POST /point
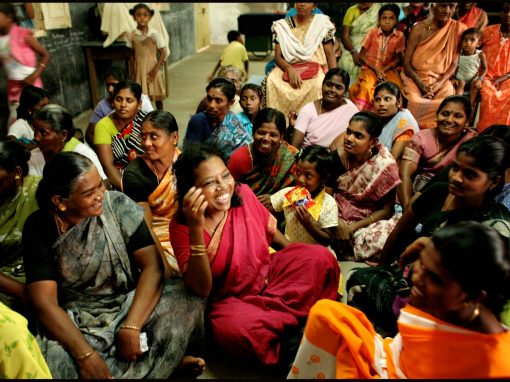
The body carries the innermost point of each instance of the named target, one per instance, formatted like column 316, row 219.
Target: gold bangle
column 42, row 65
column 131, row 327
column 198, row 253
column 371, row 218
column 197, row 247
column 86, row 355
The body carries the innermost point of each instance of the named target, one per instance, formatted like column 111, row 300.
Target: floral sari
column 230, row 134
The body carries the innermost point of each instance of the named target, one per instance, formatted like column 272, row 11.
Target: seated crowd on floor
column 124, row 255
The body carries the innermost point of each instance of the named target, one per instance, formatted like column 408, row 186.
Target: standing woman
column 321, row 121
column 117, row 136
column 306, row 38
column 218, row 125
column 149, row 179
column 495, row 91
column 399, row 125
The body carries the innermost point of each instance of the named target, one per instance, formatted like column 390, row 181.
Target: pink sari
column 258, row 297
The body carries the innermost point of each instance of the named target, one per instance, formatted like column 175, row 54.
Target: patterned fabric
column 13, row 214
column 358, row 30
column 230, row 134
column 495, row 102
column 245, row 121
column 357, row 194
column 398, row 125
column 340, row 342
column 20, row 356
column 97, row 289
column 362, row 91
column 430, row 60
column 126, row 145
column 278, row 93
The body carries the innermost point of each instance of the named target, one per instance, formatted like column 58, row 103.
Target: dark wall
column 180, row 25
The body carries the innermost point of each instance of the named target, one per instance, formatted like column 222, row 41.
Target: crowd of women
column 127, row 256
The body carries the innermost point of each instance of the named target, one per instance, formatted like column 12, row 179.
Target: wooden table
column 94, row 51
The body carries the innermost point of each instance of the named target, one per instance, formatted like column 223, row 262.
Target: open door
column 202, row 30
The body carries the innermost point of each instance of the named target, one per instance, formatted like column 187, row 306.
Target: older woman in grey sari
column 95, row 281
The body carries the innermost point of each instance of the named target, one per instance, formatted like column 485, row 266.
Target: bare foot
column 191, row 366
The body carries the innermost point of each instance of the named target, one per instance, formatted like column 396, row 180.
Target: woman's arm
column 329, row 50
column 398, row 149
column 279, row 240
column 384, row 212
column 297, row 138
column 105, row 155
column 152, row 74
column 36, row 46
column 407, row 169
column 337, row 142
column 12, row 287
column 294, row 78
column 414, row 38
column 401, row 233
column 43, row 298
column 147, row 294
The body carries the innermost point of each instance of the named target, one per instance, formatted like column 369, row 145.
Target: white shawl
column 292, row 49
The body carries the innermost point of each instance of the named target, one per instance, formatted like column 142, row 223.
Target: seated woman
column 251, row 95
column 221, row 239
column 17, row 202
column 95, row 282
column 474, row 17
column 31, row 100
column 149, row 179
column 218, row 125
column 399, row 124
column 495, row 91
column 460, row 281
column 306, row 38
column 54, row 132
column 363, row 182
column 117, row 136
column 320, row 121
column 430, row 150
column 427, row 81
column 266, row 165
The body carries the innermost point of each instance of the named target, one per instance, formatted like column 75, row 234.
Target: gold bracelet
column 198, row 253
column 131, row 327
column 42, row 65
column 371, row 218
column 86, row 355
column 197, row 247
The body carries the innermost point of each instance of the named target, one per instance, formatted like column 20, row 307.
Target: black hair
column 227, row 87
column 58, row 118
column 463, row 100
column 478, row 259
column 135, row 88
column 475, row 31
column 389, row 86
column 193, row 154
column 8, row 10
column 30, row 96
column 13, row 155
column 256, row 88
column 389, row 7
column 373, row 124
column 490, row 155
column 233, row 35
column 269, row 115
column 133, row 10
column 162, row 120
column 498, row 131
column 343, row 74
column 116, row 72
column 60, row 175
column 318, row 155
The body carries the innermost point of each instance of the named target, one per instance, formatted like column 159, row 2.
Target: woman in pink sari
column 221, row 239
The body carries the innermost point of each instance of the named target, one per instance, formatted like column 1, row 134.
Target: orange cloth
column 340, row 342
column 473, row 17
column 495, row 102
column 431, row 59
column 361, row 93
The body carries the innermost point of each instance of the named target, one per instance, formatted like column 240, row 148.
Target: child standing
column 147, row 44
column 381, row 54
column 250, row 102
column 18, row 54
column 235, row 54
column 316, row 224
column 472, row 66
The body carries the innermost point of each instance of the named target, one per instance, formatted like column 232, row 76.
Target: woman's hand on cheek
column 128, row 344
column 194, row 206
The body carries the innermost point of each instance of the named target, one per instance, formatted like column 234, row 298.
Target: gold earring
column 17, row 177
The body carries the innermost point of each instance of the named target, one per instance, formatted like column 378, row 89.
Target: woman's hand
column 499, row 80
column 29, row 80
column 411, row 249
column 93, row 367
column 292, row 118
column 128, row 344
column 194, row 206
column 380, row 75
column 294, row 78
column 266, row 201
column 343, row 243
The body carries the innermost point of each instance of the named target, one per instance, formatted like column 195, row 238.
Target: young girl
column 315, row 224
column 381, row 54
column 147, row 43
column 250, row 102
column 18, row 55
column 472, row 66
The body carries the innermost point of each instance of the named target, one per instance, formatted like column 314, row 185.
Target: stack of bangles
column 198, row 250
